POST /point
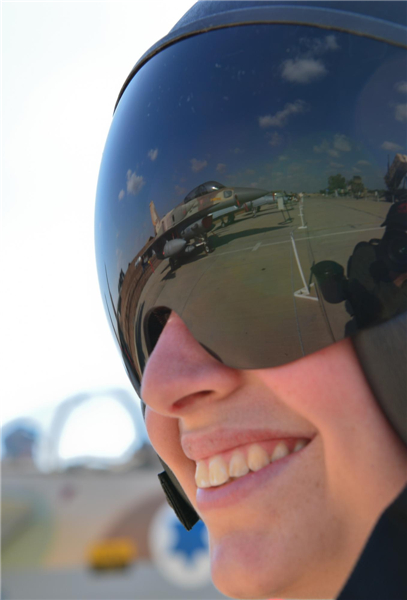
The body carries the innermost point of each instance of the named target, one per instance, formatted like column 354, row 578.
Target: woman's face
column 293, row 527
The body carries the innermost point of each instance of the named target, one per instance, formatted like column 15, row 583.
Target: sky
column 63, row 65
column 286, row 108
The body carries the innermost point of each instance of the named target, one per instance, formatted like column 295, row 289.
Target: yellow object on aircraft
column 115, row 553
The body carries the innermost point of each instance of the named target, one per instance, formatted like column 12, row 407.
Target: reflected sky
column 280, row 108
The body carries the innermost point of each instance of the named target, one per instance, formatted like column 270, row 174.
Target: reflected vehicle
column 282, row 132
column 184, row 229
column 375, row 286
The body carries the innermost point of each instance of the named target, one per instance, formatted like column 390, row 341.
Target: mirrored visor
column 253, row 181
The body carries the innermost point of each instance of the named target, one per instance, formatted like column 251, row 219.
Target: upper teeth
column 218, row 471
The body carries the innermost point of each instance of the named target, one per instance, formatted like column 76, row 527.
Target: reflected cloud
column 342, row 143
column 319, row 46
column 152, row 154
column 198, row 165
column 307, row 66
column 401, row 86
column 134, row 182
column 391, row 146
column 281, row 117
column 400, row 112
column 303, row 70
column 122, row 194
column 331, row 43
column 275, row 138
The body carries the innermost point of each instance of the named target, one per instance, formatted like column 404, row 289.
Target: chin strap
column 382, row 352
column 177, row 499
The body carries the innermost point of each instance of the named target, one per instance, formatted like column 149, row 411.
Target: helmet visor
column 245, row 184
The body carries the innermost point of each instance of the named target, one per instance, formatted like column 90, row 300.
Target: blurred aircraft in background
column 65, row 522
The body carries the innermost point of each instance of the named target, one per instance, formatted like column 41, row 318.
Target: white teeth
column 202, row 475
column 257, row 458
column 280, row 451
column 299, row 445
column 238, row 466
column 218, row 471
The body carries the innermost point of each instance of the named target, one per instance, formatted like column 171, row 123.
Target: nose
column 181, row 376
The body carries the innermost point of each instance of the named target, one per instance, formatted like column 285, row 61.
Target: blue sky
column 279, row 108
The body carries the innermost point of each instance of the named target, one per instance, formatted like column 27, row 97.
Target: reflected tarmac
column 257, row 259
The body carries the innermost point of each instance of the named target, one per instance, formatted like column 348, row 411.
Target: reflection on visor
column 249, row 183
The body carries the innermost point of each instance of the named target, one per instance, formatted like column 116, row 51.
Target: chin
column 250, row 566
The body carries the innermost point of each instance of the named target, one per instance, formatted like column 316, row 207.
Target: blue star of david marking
column 188, row 543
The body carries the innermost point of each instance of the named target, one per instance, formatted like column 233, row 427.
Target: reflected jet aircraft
column 251, row 205
column 185, row 228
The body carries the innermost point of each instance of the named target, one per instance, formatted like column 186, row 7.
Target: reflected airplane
column 183, row 229
column 252, row 205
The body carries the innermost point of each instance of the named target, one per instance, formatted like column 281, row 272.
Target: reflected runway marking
column 314, row 237
column 300, row 239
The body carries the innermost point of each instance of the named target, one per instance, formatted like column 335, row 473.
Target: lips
column 200, row 446
column 222, row 468
column 226, row 455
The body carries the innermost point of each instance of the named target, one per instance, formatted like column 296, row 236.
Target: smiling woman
column 255, row 281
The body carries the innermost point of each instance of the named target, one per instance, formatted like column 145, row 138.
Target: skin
column 299, row 535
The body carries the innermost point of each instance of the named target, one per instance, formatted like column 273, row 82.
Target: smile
column 228, row 466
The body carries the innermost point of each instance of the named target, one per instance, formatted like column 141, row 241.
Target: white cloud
column 323, row 147
column 401, row 86
column 319, row 46
column 280, row 118
column 275, row 139
column 331, row 43
column 333, row 152
column 134, row 182
column 221, row 167
column 363, row 163
column 401, row 112
column 152, row 154
column 283, row 157
column 336, row 165
column 303, row 70
column 355, row 169
column 341, row 142
column 122, row 194
column 198, row 165
column 391, row 146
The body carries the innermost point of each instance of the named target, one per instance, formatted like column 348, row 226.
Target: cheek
column 364, row 460
column 163, row 433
